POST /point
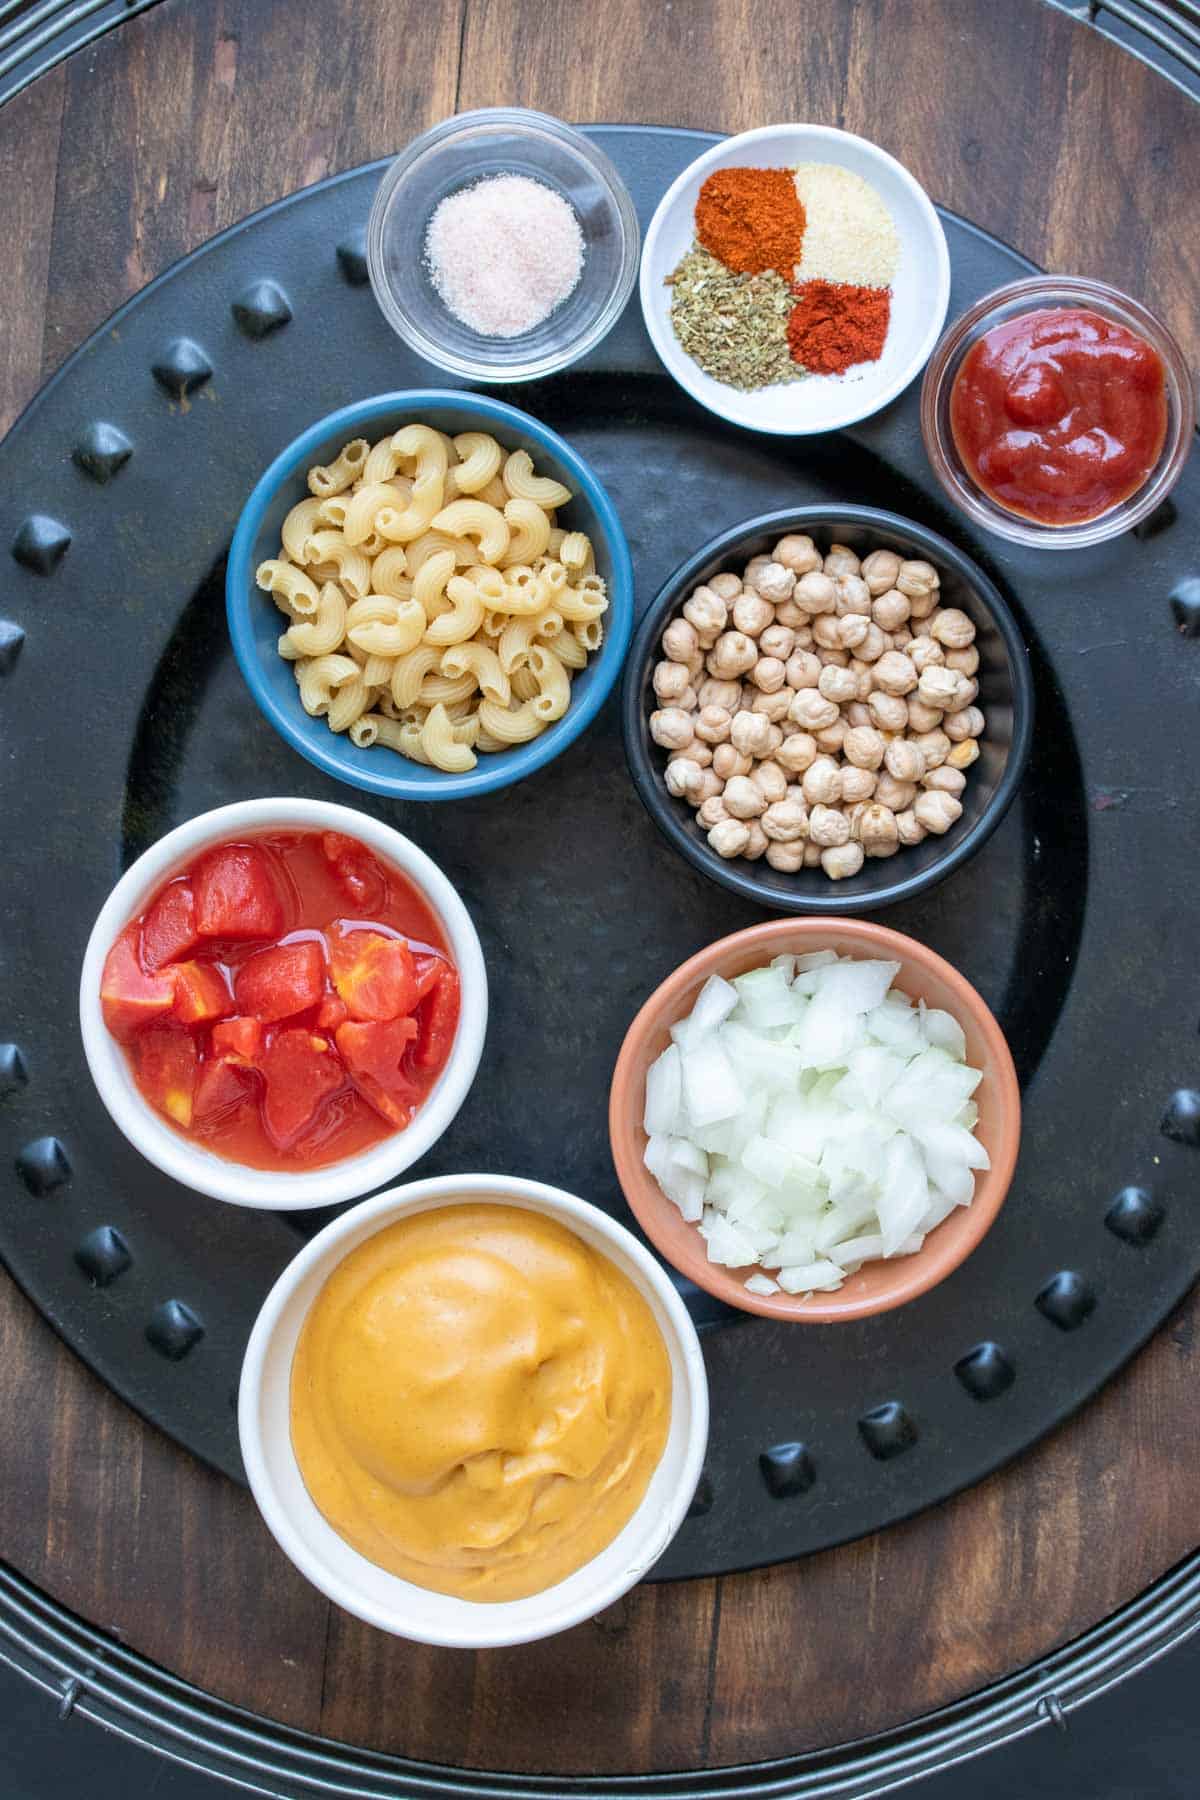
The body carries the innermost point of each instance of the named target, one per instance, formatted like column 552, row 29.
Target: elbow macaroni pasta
column 435, row 607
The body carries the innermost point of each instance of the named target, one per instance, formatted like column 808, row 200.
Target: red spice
column 751, row 220
column 835, row 324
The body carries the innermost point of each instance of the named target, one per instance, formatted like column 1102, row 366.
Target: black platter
column 124, row 713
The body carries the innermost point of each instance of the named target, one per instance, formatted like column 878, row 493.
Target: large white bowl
column 188, row 1161
column 920, row 292
column 360, row 1586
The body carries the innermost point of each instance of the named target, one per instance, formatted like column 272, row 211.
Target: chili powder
column 835, row 324
column 751, row 220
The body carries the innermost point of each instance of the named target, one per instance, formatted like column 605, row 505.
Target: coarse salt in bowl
column 920, row 289
column 451, row 158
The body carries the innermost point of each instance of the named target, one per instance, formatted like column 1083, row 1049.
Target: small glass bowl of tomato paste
column 283, row 1003
column 1057, row 412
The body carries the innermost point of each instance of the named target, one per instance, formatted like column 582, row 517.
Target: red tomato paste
column 1060, row 414
column 287, row 1001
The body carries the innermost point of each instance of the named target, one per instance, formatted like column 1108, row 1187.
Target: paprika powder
column 751, row 220
column 835, row 324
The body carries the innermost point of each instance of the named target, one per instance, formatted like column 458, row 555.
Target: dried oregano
column 734, row 326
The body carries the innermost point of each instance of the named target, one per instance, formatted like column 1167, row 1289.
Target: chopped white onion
column 808, row 1118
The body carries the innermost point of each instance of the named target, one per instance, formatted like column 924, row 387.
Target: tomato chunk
column 334, row 1012
column 169, row 928
column 300, row 1072
column 166, row 1068
column 429, row 969
column 373, row 1052
column 357, row 871
column 375, row 975
column 222, row 1084
column 236, row 895
column 278, row 983
column 242, row 1038
column 129, row 998
column 439, row 1021
column 201, row 993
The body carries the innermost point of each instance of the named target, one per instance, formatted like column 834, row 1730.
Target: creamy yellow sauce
column 479, row 1400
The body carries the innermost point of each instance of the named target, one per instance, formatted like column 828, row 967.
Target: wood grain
column 141, row 147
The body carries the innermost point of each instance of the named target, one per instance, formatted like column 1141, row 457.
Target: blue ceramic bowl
column 255, row 622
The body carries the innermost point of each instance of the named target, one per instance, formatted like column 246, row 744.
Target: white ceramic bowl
column 359, row 1585
column 920, row 292
column 188, row 1161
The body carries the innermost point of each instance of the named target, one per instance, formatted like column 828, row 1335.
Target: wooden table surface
column 172, row 127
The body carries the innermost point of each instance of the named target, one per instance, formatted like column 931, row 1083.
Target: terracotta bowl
column 879, row 1285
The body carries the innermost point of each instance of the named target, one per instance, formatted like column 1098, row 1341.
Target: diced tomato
column 236, row 895
column 242, row 1038
column 375, row 975
column 201, row 993
column 429, row 969
column 169, row 928
column 301, row 1072
column 129, row 998
column 166, row 1067
column 334, row 1012
column 439, row 1021
column 278, row 983
column 356, row 869
column 373, row 1053
column 221, row 1084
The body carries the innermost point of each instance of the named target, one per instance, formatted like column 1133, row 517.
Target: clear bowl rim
column 980, row 507
column 482, row 366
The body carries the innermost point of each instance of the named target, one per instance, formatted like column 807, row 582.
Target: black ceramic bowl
column 1005, row 696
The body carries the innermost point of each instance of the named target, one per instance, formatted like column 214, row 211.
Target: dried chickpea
column 742, row 799
column 777, row 640
column 909, row 828
column 963, row 754
column 841, row 561
column 751, row 614
column 857, row 713
column 726, row 694
column 683, row 778
column 775, row 583
column 729, row 837
column 888, row 711
column 965, row 661
column 965, row 724
column 901, row 637
column 756, row 843
column 937, row 812
column 799, row 554
column 895, row 674
column 842, row 861
column 768, row 674
column 707, row 614
column 750, row 733
column 732, row 654
column 873, row 645
column 670, row 681
column 891, row 610
column 924, row 654
column 893, row 794
column 788, row 613
column 712, row 724
column 822, row 782
column 853, row 595
column 827, row 632
column 831, row 738
column 857, row 784
column 837, row 684
column 802, row 669
column 936, row 745
column 787, row 858
column 852, row 630
column 679, row 641
column 917, row 579
column 697, row 752
column 813, row 855
column 862, row 674
column 810, row 710
column 879, row 570
column 864, row 747
column 877, row 832
column 770, row 781
column 803, row 630
column 710, row 812
column 671, row 728
column 774, row 705
column 797, row 752
column 904, row 759
column 785, row 821
column 815, row 593
column 830, row 659
column 952, row 628
column 726, row 587
column 828, row 826
column 727, row 761
column 710, row 785
column 922, row 718
column 945, row 688
column 945, row 780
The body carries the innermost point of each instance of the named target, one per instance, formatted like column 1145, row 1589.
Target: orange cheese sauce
column 479, row 1400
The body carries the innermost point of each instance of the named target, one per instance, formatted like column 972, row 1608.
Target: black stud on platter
column 702, row 1499
column 1135, row 1216
column 1181, row 1121
column 887, row 1430
column 1185, row 607
column 102, row 451
column 11, row 639
column 173, row 1329
column 1066, row 1300
column 41, row 543
column 261, row 309
column 352, row 258
column 182, row 368
column 14, row 1070
column 103, row 1255
column 985, row 1371
column 787, row 1470
column 44, row 1165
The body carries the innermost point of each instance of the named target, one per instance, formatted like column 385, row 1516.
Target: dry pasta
column 435, row 607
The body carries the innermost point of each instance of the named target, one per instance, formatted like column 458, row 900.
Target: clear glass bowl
column 1037, row 293
column 501, row 140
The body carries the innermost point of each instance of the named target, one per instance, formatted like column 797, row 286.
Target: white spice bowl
column 920, row 290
